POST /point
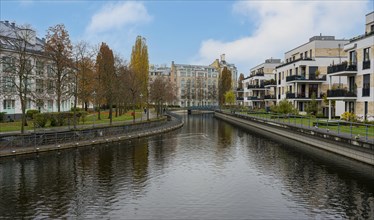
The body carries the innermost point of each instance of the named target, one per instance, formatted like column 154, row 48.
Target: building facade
column 38, row 73
column 357, row 95
column 196, row 85
column 222, row 63
column 259, row 86
column 302, row 76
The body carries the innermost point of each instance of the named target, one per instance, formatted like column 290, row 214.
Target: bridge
column 202, row 108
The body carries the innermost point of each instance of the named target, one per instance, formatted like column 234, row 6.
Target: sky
column 195, row 32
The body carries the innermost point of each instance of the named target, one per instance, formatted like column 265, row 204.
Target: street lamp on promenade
column 141, row 110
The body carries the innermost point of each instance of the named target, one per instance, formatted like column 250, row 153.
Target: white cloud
column 118, row 15
column 281, row 26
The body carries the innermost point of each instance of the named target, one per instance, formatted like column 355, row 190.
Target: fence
column 346, row 129
column 41, row 138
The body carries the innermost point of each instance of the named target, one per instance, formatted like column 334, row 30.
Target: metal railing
column 346, row 129
column 342, row 67
column 56, row 138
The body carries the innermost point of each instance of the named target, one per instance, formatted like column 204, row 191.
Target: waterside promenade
column 16, row 144
column 342, row 144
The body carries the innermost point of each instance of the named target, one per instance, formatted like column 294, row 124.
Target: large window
column 39, row 68
column 366, row 85
column 9, row 85
column 8, row 64
column 366, row 61
column 8, row 104
column 352, row 58
column 39, row 85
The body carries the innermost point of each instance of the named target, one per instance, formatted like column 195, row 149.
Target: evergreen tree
column 224, row 85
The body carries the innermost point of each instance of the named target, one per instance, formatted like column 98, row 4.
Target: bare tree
column 162, row 91
column 19, row 64
column 59, row 49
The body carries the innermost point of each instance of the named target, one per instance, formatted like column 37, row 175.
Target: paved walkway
column 152, row 115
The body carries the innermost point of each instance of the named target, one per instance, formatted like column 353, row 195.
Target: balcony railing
column 365, row 91
column 254, row 98
column 270, row 82
column 269, row 97
column 366, row 64
column 342, row 67
column 340, row 93
column 255, row 86
column 290, row 95
column 239, row 98
column 298, row 77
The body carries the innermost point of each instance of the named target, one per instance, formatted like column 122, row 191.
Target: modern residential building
column 302, row 76
column 358, row 71
column 197, row 85
column 259, row 86
column 40, row 79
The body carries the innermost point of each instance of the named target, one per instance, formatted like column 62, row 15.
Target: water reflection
column 207, row 170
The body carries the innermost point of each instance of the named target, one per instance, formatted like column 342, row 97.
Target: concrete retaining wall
column 274, row 131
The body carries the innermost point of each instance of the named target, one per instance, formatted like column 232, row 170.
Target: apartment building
column 358, row 71
column 220, row 64
column 40, row 78
column 197, row 85
column 260, row 86
column 302, row 76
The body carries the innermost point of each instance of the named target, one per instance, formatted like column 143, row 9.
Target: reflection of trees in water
column 162, row 150
column 321, row 187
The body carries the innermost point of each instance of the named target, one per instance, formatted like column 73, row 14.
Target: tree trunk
column 98, row 113
column 23, row 123
column 110, row 113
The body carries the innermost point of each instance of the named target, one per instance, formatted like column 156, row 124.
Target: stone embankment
column 49, row 141
column 354, row 149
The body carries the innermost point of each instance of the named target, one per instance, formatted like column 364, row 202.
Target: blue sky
column 195, row 32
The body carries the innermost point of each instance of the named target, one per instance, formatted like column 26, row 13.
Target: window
column 310, row 54
column 8, row 64
column 9, row 85
column 366, row 61
column 352, row 58
column 366, row 85
column 50, row 70
column 306, row 54
column 50, row 86
column 50, row 104
column 8, row 104
column 301, row 55
column 39, row 85
column 28, row 104
column 39, row 68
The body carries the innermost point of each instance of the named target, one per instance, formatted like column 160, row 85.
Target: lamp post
column 94, row 100
column 141, row 110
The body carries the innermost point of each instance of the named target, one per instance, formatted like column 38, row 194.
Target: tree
column 139, row 64
column 312, row 106
column 224, row 84
column 161, row 92
column 18, row 67
column 230, row 98
column 240, row 81
column 133, row 88
column 59, row 49
column 106, row 73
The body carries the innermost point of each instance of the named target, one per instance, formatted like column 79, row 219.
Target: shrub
column 284, row 107
column 349, row 116
column 77, row 109
column 2, row 116
column 40, row 120
column 83, row 116
column 30, row 113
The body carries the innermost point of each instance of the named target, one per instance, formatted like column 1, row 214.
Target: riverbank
column 51, row 141
column 360, row 151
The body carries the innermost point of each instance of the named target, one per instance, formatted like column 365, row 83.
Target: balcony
column 270, row 97
column 270, row 82
column 257, row 74
column 239, row 99
column 256, row 86
column 343, row 69
column 366, row 65
column 290, row 95
column 341, row 93
column 303, row 78
column 254, row 98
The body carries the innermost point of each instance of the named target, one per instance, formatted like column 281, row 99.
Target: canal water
column 206, row 170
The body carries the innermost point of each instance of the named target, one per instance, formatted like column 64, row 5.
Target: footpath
column 63, row 137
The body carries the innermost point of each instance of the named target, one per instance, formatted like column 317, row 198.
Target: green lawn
column 355, row 130
column 90, row 120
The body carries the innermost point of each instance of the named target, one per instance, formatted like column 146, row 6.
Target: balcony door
column 313, row 88
column 352, row 58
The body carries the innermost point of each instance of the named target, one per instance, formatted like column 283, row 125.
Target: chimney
column 13, row 24
column 223, row 57
column 6, row 23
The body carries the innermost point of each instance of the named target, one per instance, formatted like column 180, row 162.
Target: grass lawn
column 89, row 120
column 353, row 130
